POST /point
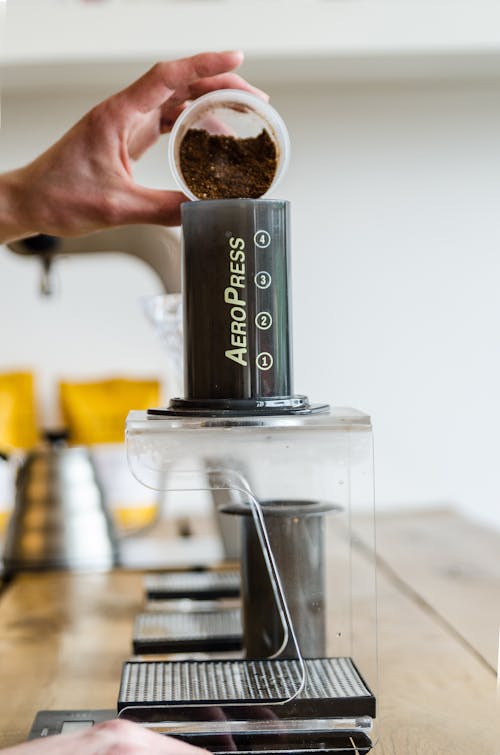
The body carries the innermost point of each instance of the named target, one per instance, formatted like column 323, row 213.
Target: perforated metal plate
column 185, row 632
column 190, row 605
column 334, row 686
column 191, row 584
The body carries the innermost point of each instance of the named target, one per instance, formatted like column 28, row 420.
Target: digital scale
column 49, row 722
column 297, row 739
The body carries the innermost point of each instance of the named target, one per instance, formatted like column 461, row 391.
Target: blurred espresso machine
column 156, row 246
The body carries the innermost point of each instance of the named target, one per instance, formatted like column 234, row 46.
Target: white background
column 395, row 192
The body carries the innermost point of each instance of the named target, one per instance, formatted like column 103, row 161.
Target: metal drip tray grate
column 196, row 585
column 185, row 632
column 333, row 687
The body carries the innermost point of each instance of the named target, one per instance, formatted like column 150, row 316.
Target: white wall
column 396, row 259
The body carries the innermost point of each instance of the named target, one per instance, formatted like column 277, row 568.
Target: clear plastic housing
column 229, row 112
column 297, row 482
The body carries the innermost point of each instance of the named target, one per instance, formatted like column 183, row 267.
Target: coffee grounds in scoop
column 225, row 167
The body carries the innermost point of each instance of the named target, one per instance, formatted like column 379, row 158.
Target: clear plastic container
column 295, row 484
column 228, row 113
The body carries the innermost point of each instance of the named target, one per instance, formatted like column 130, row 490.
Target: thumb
column 153, row 206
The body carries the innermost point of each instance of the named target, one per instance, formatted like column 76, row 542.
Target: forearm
column 14, row 222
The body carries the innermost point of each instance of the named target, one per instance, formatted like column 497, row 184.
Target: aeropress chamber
column 237, row 318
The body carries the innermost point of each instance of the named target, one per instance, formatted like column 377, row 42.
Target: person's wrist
column 14, row 221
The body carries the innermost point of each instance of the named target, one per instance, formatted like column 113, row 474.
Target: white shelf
column 55, row 43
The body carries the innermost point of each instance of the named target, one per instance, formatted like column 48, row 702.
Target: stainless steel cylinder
column 296, row 536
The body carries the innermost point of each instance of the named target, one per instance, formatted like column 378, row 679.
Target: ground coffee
column 225, row 167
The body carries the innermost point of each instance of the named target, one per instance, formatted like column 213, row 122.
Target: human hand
column 84, row 182
column 117, row 737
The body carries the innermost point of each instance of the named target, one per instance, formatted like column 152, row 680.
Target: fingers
column 157, row 85
column 178, row 100
column 176, row 103
column 202, row 65
column 134, row 738
column 108, row 738
column 209, row 84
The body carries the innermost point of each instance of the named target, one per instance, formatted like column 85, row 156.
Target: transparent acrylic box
column 297, row 482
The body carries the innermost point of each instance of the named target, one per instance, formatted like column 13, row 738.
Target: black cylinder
column 296, row 535
column 236, row 283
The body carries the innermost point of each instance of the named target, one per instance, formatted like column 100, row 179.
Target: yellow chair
column 18, row 427
column 94, row 414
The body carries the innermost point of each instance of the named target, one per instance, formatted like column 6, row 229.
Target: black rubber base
column 270, row 406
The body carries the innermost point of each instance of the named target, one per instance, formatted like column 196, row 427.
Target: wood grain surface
column 63, row 638
column 450, row 564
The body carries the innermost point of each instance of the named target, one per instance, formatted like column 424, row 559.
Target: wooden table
column 63, row 638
